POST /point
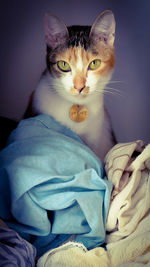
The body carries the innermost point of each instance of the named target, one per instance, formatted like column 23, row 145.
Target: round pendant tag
column 78, row 113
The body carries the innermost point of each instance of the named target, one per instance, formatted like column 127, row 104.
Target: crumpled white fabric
column 128, row 222
column 131, row 197
column 73, row 254
column 133, row 249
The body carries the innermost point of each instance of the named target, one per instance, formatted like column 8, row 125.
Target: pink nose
column 79, row 83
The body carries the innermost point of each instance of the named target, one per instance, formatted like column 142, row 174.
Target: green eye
column 63, row 65
column 94, row 64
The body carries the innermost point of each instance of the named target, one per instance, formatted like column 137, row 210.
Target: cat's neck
column 95, row 130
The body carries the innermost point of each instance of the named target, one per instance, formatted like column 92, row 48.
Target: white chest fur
column 94, row 131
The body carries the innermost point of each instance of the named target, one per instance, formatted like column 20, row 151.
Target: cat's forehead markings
column 79, row 63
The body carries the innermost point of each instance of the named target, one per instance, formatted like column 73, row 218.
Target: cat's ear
column 104, row 28
column 56, row 32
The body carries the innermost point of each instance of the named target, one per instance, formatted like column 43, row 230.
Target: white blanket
column 130, row 177
column 128, row 222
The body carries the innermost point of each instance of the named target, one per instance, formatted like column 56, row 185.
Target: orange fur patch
column 107, row 66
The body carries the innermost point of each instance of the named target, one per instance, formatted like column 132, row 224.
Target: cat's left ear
column 56, row 32
column 104, row 28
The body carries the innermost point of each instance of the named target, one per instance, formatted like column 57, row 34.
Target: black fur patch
column 79, row 35
column 51, row 58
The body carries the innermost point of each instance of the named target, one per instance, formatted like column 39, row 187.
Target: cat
column 80, row 63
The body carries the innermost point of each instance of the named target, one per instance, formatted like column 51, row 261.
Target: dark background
column 22, row 57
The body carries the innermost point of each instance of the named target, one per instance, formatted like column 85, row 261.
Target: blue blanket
column 52, row 186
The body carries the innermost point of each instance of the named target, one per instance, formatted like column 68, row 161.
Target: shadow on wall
column 22, row 52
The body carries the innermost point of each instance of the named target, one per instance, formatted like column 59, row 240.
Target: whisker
column 112, row 89
column 116, row 82
column 107, row 86
column 110, row 82
column 53, row 89
column 109, row 90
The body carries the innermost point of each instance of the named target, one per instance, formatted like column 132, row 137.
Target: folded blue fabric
column 46, row 167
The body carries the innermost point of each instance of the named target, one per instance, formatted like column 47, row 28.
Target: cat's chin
column 81, row 99
column 78, row 99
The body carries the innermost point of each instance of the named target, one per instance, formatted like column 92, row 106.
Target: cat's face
column 80, row 58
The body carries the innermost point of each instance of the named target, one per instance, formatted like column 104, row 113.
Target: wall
column 22, row 54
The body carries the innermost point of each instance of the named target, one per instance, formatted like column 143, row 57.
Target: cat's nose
column 79, row 83
column 79, row 89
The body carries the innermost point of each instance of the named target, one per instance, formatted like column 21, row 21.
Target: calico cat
column 80, row 62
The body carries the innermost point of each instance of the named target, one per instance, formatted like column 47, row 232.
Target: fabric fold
column 56, row 185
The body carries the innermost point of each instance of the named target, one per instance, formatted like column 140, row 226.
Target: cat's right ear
column 56, row 32
column 104, row 28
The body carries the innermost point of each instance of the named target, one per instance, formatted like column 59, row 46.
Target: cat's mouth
column 81, row 93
